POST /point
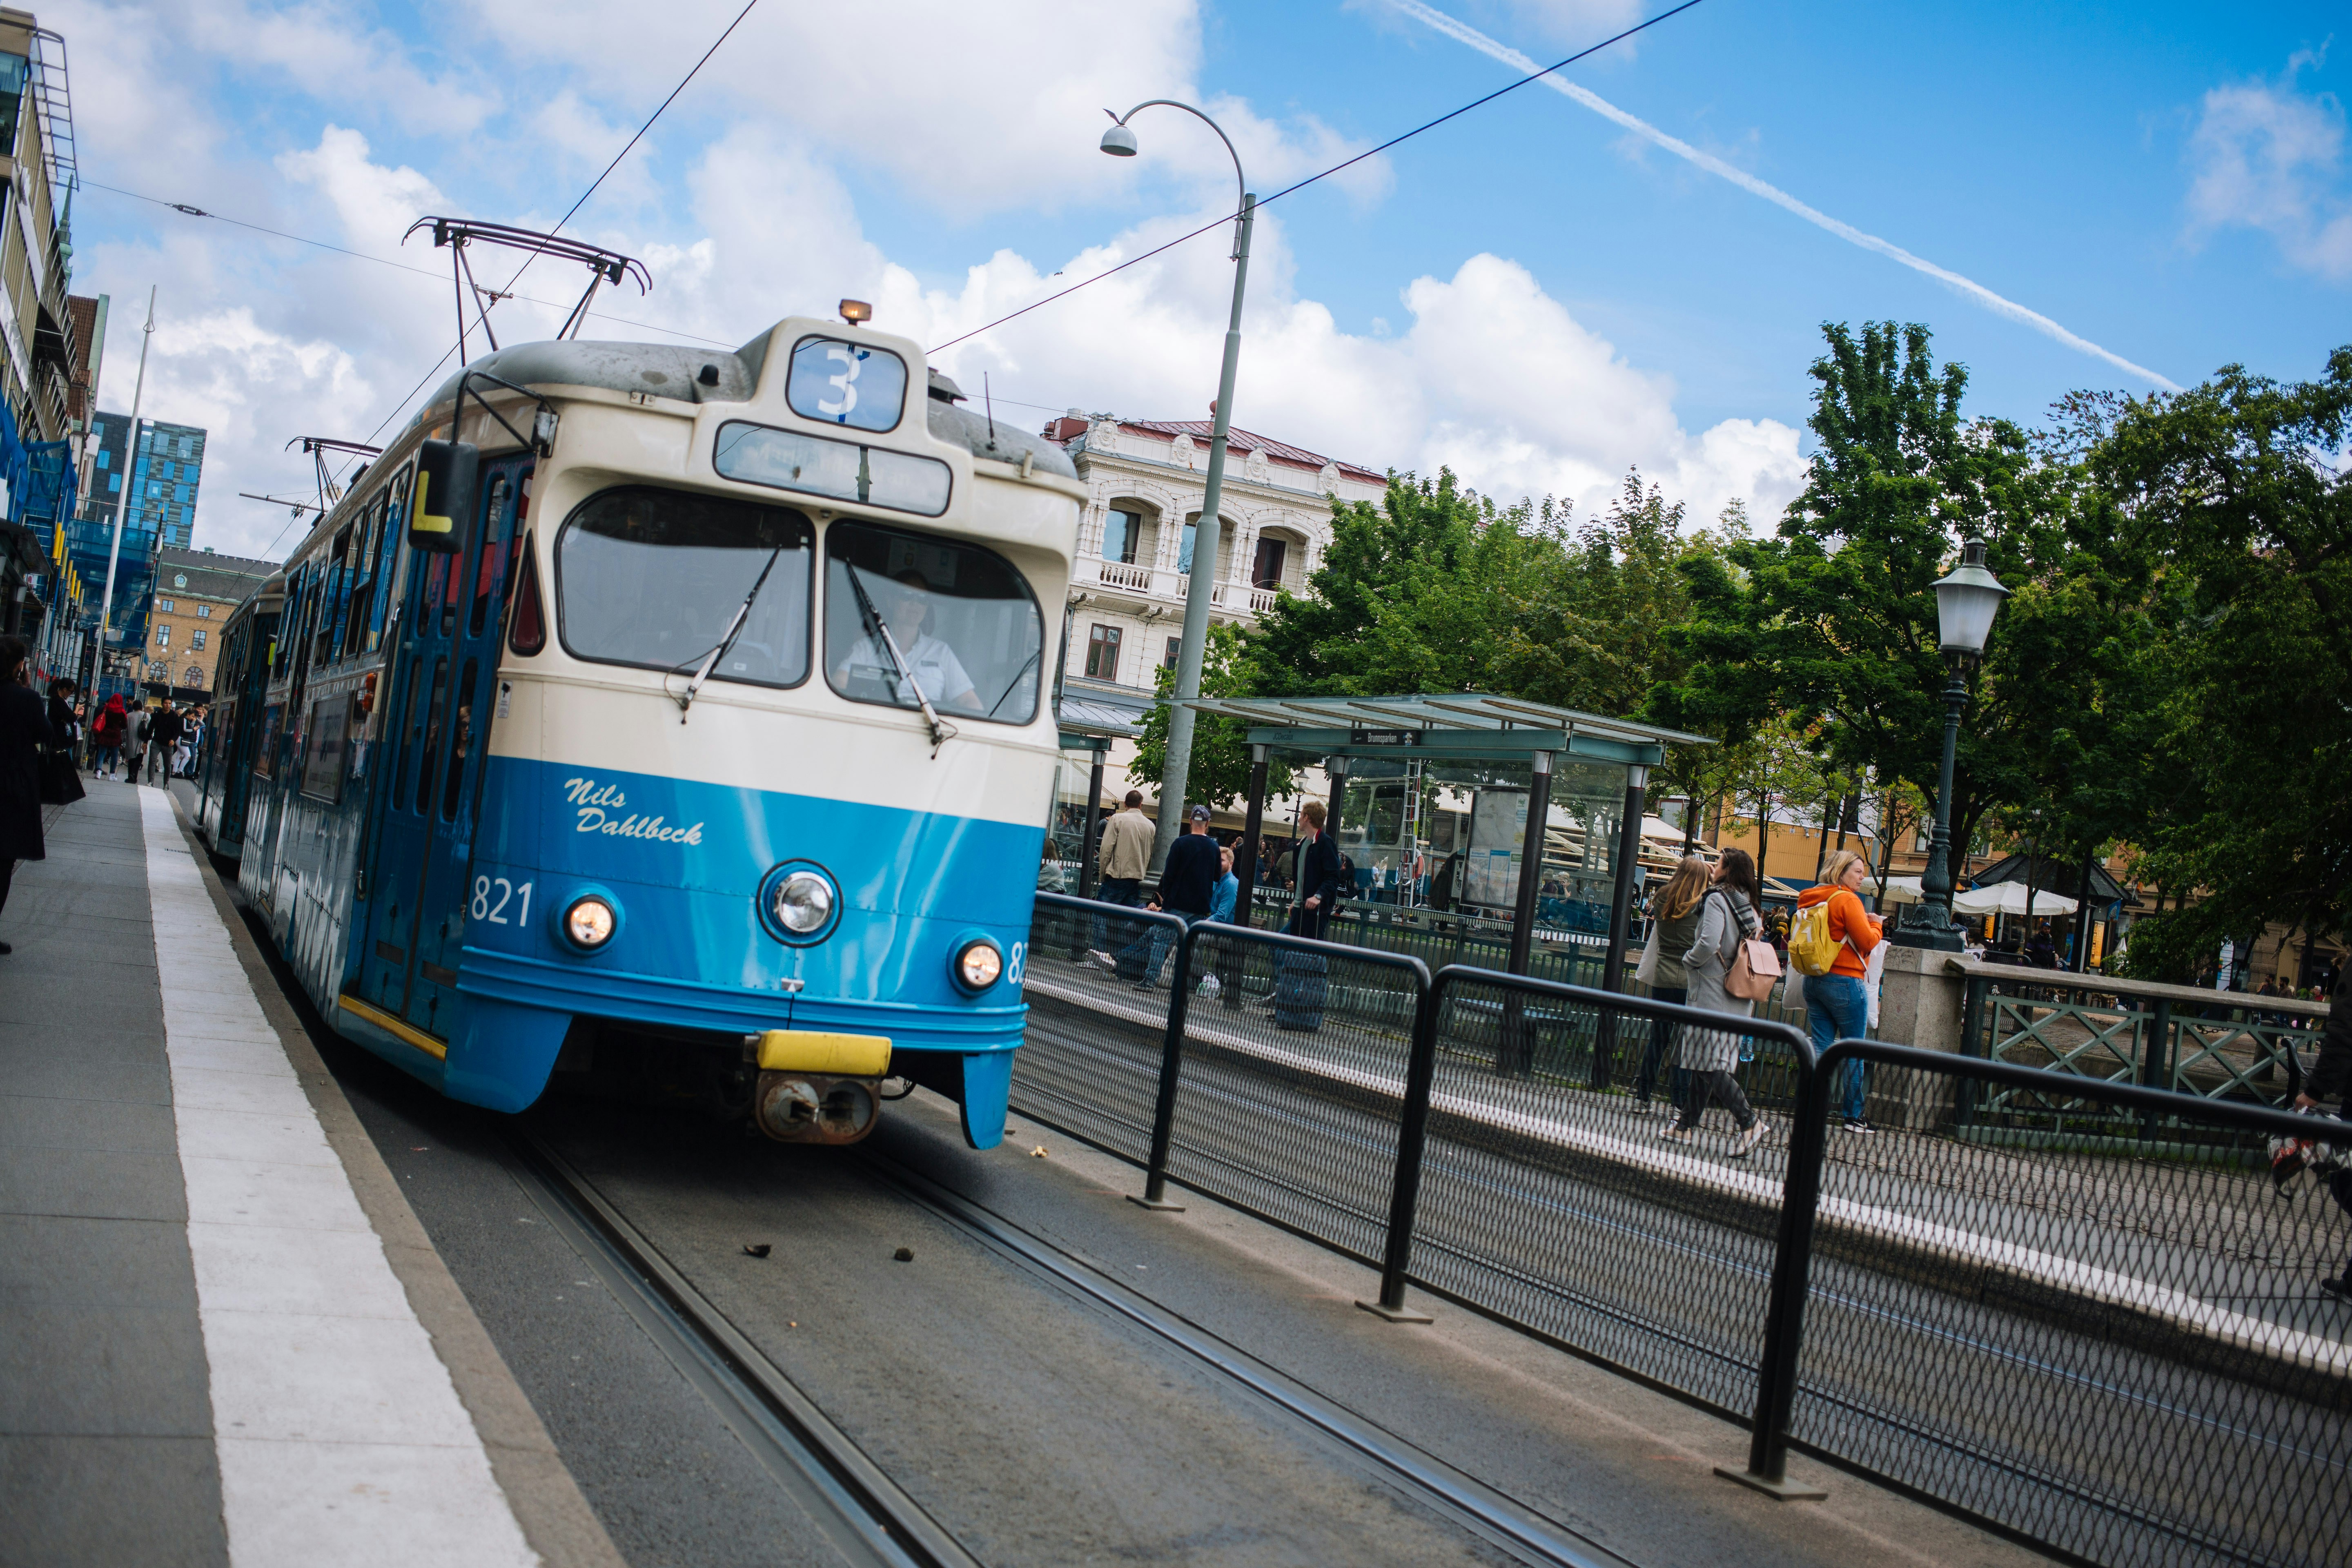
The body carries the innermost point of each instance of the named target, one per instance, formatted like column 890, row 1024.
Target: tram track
column 866, row 1515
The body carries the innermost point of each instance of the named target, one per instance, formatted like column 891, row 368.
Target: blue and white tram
column 233, row 726
column 679, row 720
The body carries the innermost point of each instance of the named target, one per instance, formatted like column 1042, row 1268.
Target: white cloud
column 2268, row 156
column 376, row 205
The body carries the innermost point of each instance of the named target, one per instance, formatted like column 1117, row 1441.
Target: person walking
column 1727, row 917
column 1188, row 888
column 2331, row 1079
column 1123, row 857
column 1836, row 1005
column 137, row 721
column 162, row 734
column 107, row 732
column 1318, row 873
column 23, row 731
column 64, row 729
column 1674, row 931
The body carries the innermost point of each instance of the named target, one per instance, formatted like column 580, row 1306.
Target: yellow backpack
column 1811, row 948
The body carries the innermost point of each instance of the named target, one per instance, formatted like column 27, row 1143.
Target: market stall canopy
column 1462, row 725
column 2008, row 898
column 1900, row 891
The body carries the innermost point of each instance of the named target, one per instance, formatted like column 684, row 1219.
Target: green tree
column 2245, row 689
column 1221, row 759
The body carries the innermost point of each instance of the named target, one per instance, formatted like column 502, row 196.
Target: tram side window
column 489, row 577
column 390, row 539
column 653, row 578
column 964, row 620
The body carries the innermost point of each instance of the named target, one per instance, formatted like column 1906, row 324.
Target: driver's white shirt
column 933, row 664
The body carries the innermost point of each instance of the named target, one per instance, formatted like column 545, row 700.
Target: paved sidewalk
column 206, row 1356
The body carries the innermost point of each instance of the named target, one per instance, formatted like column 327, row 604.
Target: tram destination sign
column 1384, row 737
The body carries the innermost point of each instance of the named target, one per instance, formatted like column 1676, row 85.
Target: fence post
column 1171, row 1059
column 1784, row 1316
column 1413, row 1133
column 2156, row 1061
column 1972, row 1019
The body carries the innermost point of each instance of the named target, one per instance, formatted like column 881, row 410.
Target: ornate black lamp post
column 1966, row 602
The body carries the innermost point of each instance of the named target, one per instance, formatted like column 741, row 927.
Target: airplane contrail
column 1462, row 32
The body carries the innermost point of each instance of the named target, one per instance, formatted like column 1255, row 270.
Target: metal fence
column 2119, row 1354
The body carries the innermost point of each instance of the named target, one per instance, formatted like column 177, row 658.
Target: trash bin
column 1301, row 981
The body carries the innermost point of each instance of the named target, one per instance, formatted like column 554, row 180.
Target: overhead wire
column 193, row 211
column 1323, row 175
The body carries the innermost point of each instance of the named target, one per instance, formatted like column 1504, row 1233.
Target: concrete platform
column 218, row 1341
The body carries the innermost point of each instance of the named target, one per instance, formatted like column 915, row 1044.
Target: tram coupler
column 817, row 1087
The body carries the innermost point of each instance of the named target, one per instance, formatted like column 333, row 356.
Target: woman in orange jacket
column 1836, row 1006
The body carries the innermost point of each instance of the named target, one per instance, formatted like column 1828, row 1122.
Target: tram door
column 439, row 733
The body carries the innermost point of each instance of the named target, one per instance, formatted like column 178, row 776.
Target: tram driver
column 905, row 605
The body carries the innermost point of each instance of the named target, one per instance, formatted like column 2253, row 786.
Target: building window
column 163, row 637
column 165, row 606
column 1121, row 529
column 1102, row 652
column 198, row 640
column 203, row 612
column 192, row 675
column 1175, row 646
column 1184, row 555
column 1266, row 572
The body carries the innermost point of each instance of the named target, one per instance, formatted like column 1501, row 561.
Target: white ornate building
column 1146, row 480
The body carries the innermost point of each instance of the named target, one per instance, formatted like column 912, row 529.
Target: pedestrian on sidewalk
column 105, row 736
column 23, row 731
column 1318, row 873
column 64, row 728
column 1120, row 860
column 1727, row 917
column 1188, row 887
column 1837, row 1006
column 136, row 722
column 1673, row 930
column 162, row 734
column 2331, row 1079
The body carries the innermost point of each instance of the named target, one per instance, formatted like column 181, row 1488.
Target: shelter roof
column 1456, row 724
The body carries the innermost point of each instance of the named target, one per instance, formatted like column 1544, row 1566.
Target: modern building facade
column 195, row 592
column 40, row 347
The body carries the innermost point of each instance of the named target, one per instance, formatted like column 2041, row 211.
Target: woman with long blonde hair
column 1673, row 925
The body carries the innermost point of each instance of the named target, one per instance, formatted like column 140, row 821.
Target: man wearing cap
column 1188, row 887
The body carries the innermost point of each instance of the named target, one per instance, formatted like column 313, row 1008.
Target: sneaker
column 1674, row 1132
column 1746, row 1143
column 1095, row 956
column 1146, row 985
column 1856, row 1124
column 2340, row 1289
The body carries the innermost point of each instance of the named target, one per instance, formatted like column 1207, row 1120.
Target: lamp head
column 1966, row 602
column 1118, row 141
column 856, row 312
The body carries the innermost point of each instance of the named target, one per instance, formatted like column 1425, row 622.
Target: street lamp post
column 1176, row 770
column 1966, row 602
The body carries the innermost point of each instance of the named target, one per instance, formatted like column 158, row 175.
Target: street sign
column 1384, row 737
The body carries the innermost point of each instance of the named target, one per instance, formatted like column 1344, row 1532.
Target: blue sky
column 1529, row 293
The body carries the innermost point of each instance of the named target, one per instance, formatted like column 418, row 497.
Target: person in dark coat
column 24, row 731
column 1318, row 873
column 2331, row 1079
column 64, row 726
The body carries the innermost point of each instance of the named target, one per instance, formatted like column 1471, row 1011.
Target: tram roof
column 1450, row 724
column 673, row 370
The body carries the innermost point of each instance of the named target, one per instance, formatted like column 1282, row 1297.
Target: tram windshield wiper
column 879, row 629
column 734, row 630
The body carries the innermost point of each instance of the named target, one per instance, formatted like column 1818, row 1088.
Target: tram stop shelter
column 1553, row 774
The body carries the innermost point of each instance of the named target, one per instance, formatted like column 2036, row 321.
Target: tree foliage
column 1220, row 770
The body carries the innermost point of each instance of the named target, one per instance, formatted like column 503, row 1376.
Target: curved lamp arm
column 1241, row 181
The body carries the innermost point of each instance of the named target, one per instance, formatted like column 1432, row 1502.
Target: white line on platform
column 341, row 1437
column 1949, row 1242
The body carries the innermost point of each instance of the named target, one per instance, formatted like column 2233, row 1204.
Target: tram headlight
column 801, row 902
column 977, row 964
column 590, row 922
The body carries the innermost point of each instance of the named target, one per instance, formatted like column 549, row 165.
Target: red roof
column 1066, row 430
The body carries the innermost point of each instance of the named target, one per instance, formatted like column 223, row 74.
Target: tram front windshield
column 966, row 627
column 653, row 578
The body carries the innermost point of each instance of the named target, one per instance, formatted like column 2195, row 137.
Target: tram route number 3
column 491, row 897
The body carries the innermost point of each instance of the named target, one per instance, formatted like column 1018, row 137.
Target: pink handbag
column 1755, row 970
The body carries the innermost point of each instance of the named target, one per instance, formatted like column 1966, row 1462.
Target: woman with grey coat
column 1727, row 916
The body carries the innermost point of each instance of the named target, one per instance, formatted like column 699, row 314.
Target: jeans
column 1715, row 1088
column 1838, row 1008
column 1127, row 890
column 106, row 756
column 1662, row 1034
column 1149, row 950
